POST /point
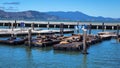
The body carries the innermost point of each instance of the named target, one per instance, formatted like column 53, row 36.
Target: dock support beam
column 105, row 27
column 97, row 27
column 38, row 25
column 12, row 26
column 3, row 24
column 78, row 31
column 68, row 26
column 84, row 42
column 90, row 28
column 102, row 27
column 15, row 24
column 61, row 29
column 9, row 24
column 117, row 31
column 112, row 27
column 48, row 25
column 29, row 37
column 54, row 26
column 24, row 25
column 32, row 25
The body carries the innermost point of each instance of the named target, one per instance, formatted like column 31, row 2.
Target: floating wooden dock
column 74, row 46
column 45, row 43
column 19, row 32
column 13, row 41
column 77, row 45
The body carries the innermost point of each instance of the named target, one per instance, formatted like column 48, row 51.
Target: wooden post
column 29, row 37
column 103, row 27
column 112, row 27
column 78, row 28
column 48, row 25
column 24, row 25
column 54, row 26
column 15, row 24
column 32, row 26
column 97, row 27
column 12, row 27
column 61, row 29
column 90, row 28
column 84, row 42
column 12, row 35
column 68, row 26
column 38, row 25
column 117, row 31
column 9, row 24
column 3, row 24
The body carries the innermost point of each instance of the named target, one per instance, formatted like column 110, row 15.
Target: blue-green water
column 102, row 55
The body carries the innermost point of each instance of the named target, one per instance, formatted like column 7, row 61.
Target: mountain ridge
column 79, row 16
column 53, row 16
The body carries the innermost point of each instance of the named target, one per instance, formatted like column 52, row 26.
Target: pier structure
column 51, row 24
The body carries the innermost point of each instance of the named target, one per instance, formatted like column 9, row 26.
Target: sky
column 105, row 8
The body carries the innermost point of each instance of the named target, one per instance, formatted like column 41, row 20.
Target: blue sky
column 106, row 8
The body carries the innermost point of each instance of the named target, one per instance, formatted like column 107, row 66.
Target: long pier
column 47, row 24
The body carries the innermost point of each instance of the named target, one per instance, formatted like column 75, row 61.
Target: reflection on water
column 67, row 52
column 102, row 55
column 84, row 64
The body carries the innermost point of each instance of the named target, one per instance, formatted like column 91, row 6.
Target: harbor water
column 102, row 55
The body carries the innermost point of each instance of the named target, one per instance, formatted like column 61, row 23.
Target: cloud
column 11, row 3
column 11, row 9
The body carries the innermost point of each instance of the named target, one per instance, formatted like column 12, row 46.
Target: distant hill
column 27, row 15
column 78, row 16
column 54, row 16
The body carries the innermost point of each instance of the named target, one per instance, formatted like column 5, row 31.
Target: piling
column 103, row 27
column 117, row 31
column 48, row 25
column 32, row 25
column 38, row 25
column 90, row 28
column 84, row 42
column 3, row 24
column 61, row 29
column 54, row 26
column 9, row 25
column 12, row 35
column 29, row 37
column 15, row 24
column 112, row 27
column 78, row 28
column 68, row 26
column 97, row 27
column 12, row 27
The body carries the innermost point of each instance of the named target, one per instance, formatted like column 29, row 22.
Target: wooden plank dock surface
column 19, row 32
